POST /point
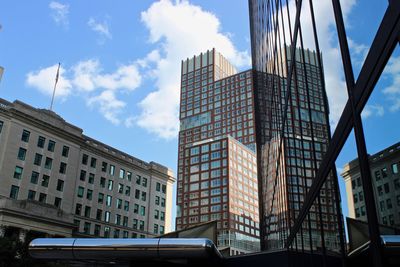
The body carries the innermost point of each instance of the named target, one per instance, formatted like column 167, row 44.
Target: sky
column 120, row 65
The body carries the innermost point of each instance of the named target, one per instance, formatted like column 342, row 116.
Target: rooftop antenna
column 55, row 85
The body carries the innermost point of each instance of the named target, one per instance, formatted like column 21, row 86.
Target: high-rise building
column 385, row 170
column 217, row 173
column 292, row 129
column 56, row 181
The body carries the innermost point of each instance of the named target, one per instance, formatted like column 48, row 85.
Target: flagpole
column 55, row 85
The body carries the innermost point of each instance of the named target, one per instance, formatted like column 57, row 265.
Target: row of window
column 48, row 163
column 32, row 195
column 42, row 141
column 107, row 231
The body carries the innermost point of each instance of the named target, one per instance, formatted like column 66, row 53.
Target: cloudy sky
column 120, row 64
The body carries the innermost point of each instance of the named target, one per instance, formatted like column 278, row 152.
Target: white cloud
column 100, row 28
column 44, row 80
column 393, row 90
column 373, row 110
column 87, row 79
column 59, row 13
column 180, row 30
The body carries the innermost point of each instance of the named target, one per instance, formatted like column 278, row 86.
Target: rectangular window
column 107, row 216
column 89, row 194
column 120, row 188
column 100, row 198
column 93, row 162
column 156, row 214
column 127, row 190
column 138, row 179
column 87, row 211
column 395, row 168
column 48, row 163
column 60, row 185
column 156, row 228
column 21, row 153
column 99, row 213
column 38, row 159
column 141, row 225
column 157, row 201
column 41, row 141
column 78, row 209
column 110, row 185
column 129, row 176
column 104, row 166
column 162, row 230
column 25, row 135
column 82, row 176
column 158, row 187
column 162, row 202
column 14, row 192
column 86, row 227
column 142, row 210
column 116, row 233
column 109, row 201
column 85, row 159
column 42, row 197
column 91, row 178
column 384, row 172
column 119, row 203
column 164, row 188
column 136, row 208
column 31, row 195
column 63, row 167
column 57, row 202
column 162, row 216
column 18, row 172
column 102, row 182
column 377, row 175
column 34, row 177
column 135, row 224
column 144, row 196
column 65, row 151
column 137, row 193
column 1, row 125
column 112, row 169
column 97, row 230
column 144, row 182
column 107, row 231
column 80, row 191
column 126, row 205
column 51, row 145
column 121, row 173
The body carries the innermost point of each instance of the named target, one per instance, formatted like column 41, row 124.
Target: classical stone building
column 57, row 181
column 385, row 173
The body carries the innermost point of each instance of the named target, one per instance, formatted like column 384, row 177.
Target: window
column 136, row 208
column 120, row 188
column 86, row 227
column 129, row 176
column 78, row 209
column 25, row 136
column 121, row 173
column 48, row 163
column 137, row 193
column 65, row 151
column 377, row 175
column 42, row 197
column 158, row 187
column 117, row 219
column 41, row 141
column 89, row 194
column 144, row 196
column 85, row 159
column 135, row 224
column 142, row 210
column 99, row 213
column 384, row 172
column 91, row 178
column 57, row 202
column 102, row 182
column 395, row 168
column 156, row 214
column 355, row 198
column 156, row 228
column 82, row 176
column 80, row 191
column 389, row 203
column 51, row 145
column 108, row 201
column 60, row 185
column 97, row 230
column 161, row 230
column 386, row 186
column 126, row 205
column 141, row 225
column 100, row 198
column 1, row 125
column 34, row 177
column 110, row 185
column 38, row 159
column 128, row 190
column 119, row 203
column 93, row 162
column 87, row 211
column 21, row 153
column 107, row 216
column 14, row 192
column 164, row 188
column 112, row 169
column 18, row 172
column 157, row 201
column 144, row 182
column 138, row 179
column 31, row 195
column 104, row 166
column 107, row 231
column 162, row 216
column 162, row 202
column 116, row 233
column 63, row 167
column 396, row 183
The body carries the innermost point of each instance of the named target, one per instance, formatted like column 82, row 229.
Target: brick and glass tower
column 217, row 170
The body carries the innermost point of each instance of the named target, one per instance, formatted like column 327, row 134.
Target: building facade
column 292, row 129
column 58, row 182
column 217, row 177
column 385, row 173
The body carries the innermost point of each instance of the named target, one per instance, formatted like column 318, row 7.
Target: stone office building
column 56, row 181
column 385, row 174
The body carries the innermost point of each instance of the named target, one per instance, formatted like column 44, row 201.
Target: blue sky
column 120, row 62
